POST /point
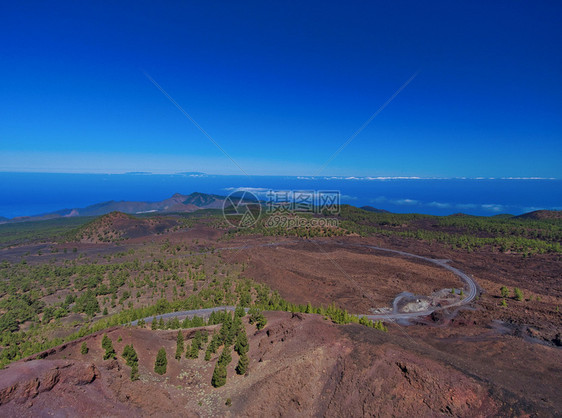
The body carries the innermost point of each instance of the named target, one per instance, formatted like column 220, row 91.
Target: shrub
column 518, row 294
column 8, row 323
column 504, row 291
column 84, row 348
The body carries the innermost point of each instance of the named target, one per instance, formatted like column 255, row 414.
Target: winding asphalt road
column 391, row 316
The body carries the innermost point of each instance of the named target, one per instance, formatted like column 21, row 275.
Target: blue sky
column 281, row 85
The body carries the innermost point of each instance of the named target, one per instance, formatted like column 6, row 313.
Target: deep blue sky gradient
column 281, row 85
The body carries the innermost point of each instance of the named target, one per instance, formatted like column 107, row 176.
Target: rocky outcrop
column 55, row 387
column 22, row 382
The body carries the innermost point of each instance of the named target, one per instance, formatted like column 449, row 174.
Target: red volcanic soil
column 117, row 226
column 357, row 279
column 57, row 387
column 486, row 360
column 299, row 365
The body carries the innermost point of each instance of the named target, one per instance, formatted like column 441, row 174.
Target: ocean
column 24, row 194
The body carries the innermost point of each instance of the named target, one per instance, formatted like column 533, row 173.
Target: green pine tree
column 225, row 358
column 243, row 362
column 130, row 355
column 241, row 346
column 239, row 312
column 225, row 332
column 235, row 328
column 179, row 345
column 219, row 375
column 197, row 321
column 193, row 349
column 194, row 354
column 257, row 317
column 186, row 323
column 161, row 362
column 108, row 346
column 135, row 372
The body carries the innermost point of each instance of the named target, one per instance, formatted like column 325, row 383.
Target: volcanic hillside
column 116, row 226
column 542, row 214
column 299, row 365
column 177, row 203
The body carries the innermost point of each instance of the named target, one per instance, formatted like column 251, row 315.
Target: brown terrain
column 357, row 278
column 118, row 226
column 300, row 365
column 481, row 360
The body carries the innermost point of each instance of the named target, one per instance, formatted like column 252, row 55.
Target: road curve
column 469, row 281
column 394, row 316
